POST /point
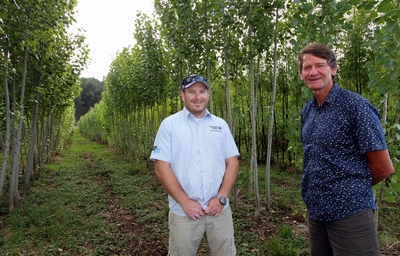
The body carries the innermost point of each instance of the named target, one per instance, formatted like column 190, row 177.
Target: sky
column 109, row 27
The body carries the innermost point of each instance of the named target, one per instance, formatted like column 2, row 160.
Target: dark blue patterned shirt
column 337, row 178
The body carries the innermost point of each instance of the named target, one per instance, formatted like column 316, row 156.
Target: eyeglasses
column 188, row 81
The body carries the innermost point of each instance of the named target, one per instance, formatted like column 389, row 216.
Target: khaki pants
column 185, row 234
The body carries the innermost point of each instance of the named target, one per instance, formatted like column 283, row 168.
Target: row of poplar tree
column 247, row 50
column 41, row 62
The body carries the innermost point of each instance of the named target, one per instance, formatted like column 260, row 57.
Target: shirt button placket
column 200, row 137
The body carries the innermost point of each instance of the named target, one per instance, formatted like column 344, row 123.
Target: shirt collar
column 331, row 96
column 188, row 114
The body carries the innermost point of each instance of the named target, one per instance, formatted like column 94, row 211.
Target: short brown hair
column 318, row 50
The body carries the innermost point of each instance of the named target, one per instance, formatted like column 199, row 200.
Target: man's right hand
column 193, row 209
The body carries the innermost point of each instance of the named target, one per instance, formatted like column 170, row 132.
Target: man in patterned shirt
column 345, row 154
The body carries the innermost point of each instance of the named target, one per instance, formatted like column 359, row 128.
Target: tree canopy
column 90, row 95
column 245, row 48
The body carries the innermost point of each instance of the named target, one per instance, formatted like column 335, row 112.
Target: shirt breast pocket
column 215, row 143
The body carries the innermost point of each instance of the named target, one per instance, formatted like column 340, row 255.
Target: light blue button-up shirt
column 197, row 150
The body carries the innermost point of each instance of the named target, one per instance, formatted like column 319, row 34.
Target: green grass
column 79, row 205
column 92, row 201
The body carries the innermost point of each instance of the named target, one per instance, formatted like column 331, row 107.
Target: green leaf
column 294, row 23
column 373, row 15
column 395, row 186
column 385, row 6
column 356, row 2
column 373, row 84
column 392, row 26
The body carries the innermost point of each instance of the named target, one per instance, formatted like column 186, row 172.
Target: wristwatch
column 222, row 200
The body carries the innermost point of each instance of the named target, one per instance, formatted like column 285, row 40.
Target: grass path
column 88, row 201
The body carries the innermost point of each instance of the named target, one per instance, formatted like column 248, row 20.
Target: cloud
column 109, row 27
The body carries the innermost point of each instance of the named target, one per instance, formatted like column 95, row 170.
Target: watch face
column 223, row 200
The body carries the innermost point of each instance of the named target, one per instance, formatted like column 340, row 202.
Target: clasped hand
column 194, row 210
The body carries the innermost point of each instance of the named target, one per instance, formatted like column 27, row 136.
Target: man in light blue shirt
column 196, row 161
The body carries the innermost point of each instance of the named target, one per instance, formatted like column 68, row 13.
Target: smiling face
column 317, row 74
column 196, row 99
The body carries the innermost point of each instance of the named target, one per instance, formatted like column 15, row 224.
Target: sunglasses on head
column 192, row 79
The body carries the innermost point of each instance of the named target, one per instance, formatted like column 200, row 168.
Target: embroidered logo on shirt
column 156, row 150
column 215, row 128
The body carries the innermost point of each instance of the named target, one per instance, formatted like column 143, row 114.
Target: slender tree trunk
column 210, row 83
column 229, row 107
column 31, row 154
column 236, row 96
column 235, row 189
column 1, row 142
column 253, row 165
column 208, row 62
column 271, row 118
column 50, row 131
column 180, row 106
column 254, row 135
column 17, row 142
column 228, row 90
column 6, row 146
column 41, row 139
column 378, row 202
